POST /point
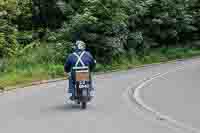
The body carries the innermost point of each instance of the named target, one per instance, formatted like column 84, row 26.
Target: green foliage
column 8, row 42
column 108, row 26
column 24, row 14
column 38, row 34
column 10, row 12
column 164, row 22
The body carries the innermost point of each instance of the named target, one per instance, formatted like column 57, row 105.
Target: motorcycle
column 82, row 93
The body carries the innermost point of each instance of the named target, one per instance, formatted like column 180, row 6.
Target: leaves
column 105, row 25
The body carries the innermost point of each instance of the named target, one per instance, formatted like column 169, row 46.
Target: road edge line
column 136, row 96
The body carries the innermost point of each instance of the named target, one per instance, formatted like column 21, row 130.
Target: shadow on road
column 67, row 108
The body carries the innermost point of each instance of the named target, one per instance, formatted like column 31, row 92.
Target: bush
column 37, row 35
column 110, row 27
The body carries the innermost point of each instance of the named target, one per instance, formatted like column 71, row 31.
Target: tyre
column 84, row 105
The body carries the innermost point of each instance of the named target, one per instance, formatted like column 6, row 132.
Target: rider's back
column 86, row 58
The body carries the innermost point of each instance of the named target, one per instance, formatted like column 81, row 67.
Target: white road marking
column 138, row 99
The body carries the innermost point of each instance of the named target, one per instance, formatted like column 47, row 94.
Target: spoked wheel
column 84, row 105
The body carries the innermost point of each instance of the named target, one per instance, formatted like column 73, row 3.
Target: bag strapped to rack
column 82, row 73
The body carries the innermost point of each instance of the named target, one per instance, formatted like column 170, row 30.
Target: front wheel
column 84, row 105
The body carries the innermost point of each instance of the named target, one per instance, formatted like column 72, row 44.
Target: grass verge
column 24, row 71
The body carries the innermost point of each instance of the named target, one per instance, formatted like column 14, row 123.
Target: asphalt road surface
column 41, row 109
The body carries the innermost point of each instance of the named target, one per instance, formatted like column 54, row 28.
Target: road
column 41, row 108
column 181, row 89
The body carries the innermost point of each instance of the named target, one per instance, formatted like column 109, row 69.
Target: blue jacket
column 87, row 59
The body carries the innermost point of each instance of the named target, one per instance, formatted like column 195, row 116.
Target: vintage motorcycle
column 83, row 92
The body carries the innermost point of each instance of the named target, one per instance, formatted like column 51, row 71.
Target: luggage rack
column 82, row 73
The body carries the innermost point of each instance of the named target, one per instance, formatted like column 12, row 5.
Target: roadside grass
column 37, row 73
column 40, row 65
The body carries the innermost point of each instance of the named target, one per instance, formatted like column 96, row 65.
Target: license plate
column 83, row 84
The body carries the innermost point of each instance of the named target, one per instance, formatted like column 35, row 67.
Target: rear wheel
column 84, row 105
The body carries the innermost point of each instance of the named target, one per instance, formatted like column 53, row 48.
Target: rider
column 79, row 58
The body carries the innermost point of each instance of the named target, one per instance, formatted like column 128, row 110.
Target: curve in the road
column 134, row 93
column 40, row 108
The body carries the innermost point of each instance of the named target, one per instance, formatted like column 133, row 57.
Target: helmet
column 80, row 45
